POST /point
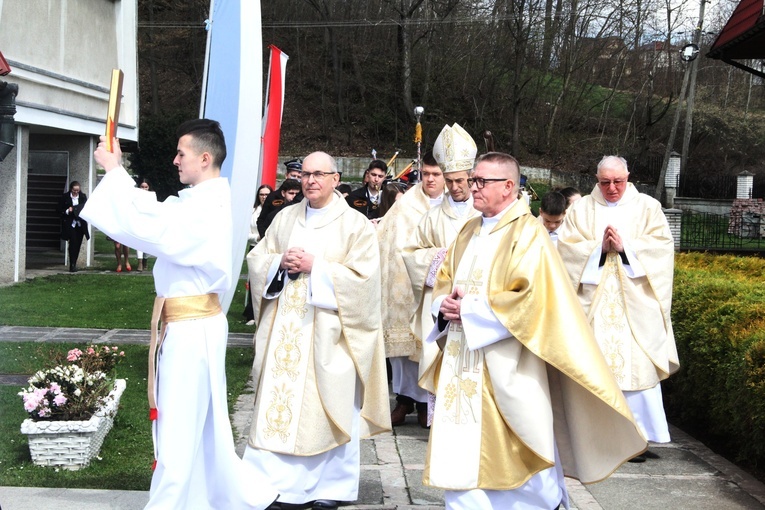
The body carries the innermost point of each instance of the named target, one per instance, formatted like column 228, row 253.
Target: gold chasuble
column 396, row 231
column 629, row 307
column 502, row 409
column 309, row 360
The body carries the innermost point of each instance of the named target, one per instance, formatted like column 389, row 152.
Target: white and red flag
column 272, row 118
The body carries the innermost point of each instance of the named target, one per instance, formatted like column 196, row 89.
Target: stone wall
column 746, row 218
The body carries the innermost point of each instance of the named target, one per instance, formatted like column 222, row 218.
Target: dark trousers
column 75, row 242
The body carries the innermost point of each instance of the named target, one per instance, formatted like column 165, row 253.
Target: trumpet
column 390, row 162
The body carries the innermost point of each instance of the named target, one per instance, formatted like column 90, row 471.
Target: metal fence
column 713, row 232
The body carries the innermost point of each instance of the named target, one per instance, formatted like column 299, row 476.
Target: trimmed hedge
column 718, row 314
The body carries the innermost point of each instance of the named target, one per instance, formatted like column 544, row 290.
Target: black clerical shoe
column 638, row 458
column 324, row 504
column 422, row 414
column 398, row 416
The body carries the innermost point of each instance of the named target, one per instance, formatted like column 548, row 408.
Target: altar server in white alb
column 619, row 253
column 523, row 395
column 196, row 466
column 319, row 367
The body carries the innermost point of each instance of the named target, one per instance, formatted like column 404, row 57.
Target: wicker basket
column 72, row 444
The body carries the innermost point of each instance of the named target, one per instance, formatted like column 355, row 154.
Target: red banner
column 273, row 116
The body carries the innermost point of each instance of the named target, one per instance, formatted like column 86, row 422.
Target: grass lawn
column 127, row 453
column 92, row 300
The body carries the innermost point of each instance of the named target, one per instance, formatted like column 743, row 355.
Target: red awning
column 743, row 37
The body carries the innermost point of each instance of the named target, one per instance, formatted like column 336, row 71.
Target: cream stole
column 631, row 367
column 288, row 382
column 471, row 445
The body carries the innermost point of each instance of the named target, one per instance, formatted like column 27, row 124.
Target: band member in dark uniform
column 294, row 167
column 289, row 193
column 366, row 199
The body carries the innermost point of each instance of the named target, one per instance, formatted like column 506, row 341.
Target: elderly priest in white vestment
column 319, row 367
column 619, row 253
column 523, row 394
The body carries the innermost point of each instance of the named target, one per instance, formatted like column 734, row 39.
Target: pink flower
column 74, row 355
column 59, row 400
column 122, row 353
column 30, row 403
column 91, row 350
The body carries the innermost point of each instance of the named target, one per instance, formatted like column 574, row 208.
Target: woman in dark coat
column 73, row 228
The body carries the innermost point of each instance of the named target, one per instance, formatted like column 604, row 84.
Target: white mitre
column 454, row 149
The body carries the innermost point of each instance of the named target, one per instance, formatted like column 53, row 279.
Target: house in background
column 61, row 54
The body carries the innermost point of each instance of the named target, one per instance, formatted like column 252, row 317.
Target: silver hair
column 607, row 159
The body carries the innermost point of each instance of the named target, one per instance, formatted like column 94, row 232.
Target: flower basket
column 72, row 444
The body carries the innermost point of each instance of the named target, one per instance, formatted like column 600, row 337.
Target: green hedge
column 718, row 314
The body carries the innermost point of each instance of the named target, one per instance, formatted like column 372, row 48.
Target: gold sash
column 176, row 309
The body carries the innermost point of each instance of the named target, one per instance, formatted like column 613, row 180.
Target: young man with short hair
column 196, row 465
column 366, row 198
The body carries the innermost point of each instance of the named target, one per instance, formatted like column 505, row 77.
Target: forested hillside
column 558, row 82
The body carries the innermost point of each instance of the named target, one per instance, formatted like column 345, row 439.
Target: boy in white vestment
column 196, row 466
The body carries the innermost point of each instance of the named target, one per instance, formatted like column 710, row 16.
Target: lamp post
column 687, row 54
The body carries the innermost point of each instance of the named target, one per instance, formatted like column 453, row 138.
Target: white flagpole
column 209, row 27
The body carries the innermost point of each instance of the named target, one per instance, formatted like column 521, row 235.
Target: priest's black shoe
column 398, row 416
column 638, row 458
column 324, row 504
column 422, row 414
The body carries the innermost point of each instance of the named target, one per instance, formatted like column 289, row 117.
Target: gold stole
column 631, row 367
column 471, row 446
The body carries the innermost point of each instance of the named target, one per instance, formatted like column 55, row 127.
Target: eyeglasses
column 317, row 176
column 480, row 182
column 615, row 182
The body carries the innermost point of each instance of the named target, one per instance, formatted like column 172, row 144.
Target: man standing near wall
column 619, row 253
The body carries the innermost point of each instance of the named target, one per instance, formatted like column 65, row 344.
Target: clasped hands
column 612, row 241
column 297, row 260
column 450, row 306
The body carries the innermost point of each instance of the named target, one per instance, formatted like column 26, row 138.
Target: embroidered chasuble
column 468, row 425
column 501, row 409
column 628, row 305
column 435, row 232
column 309, row 356
column 396, row 231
